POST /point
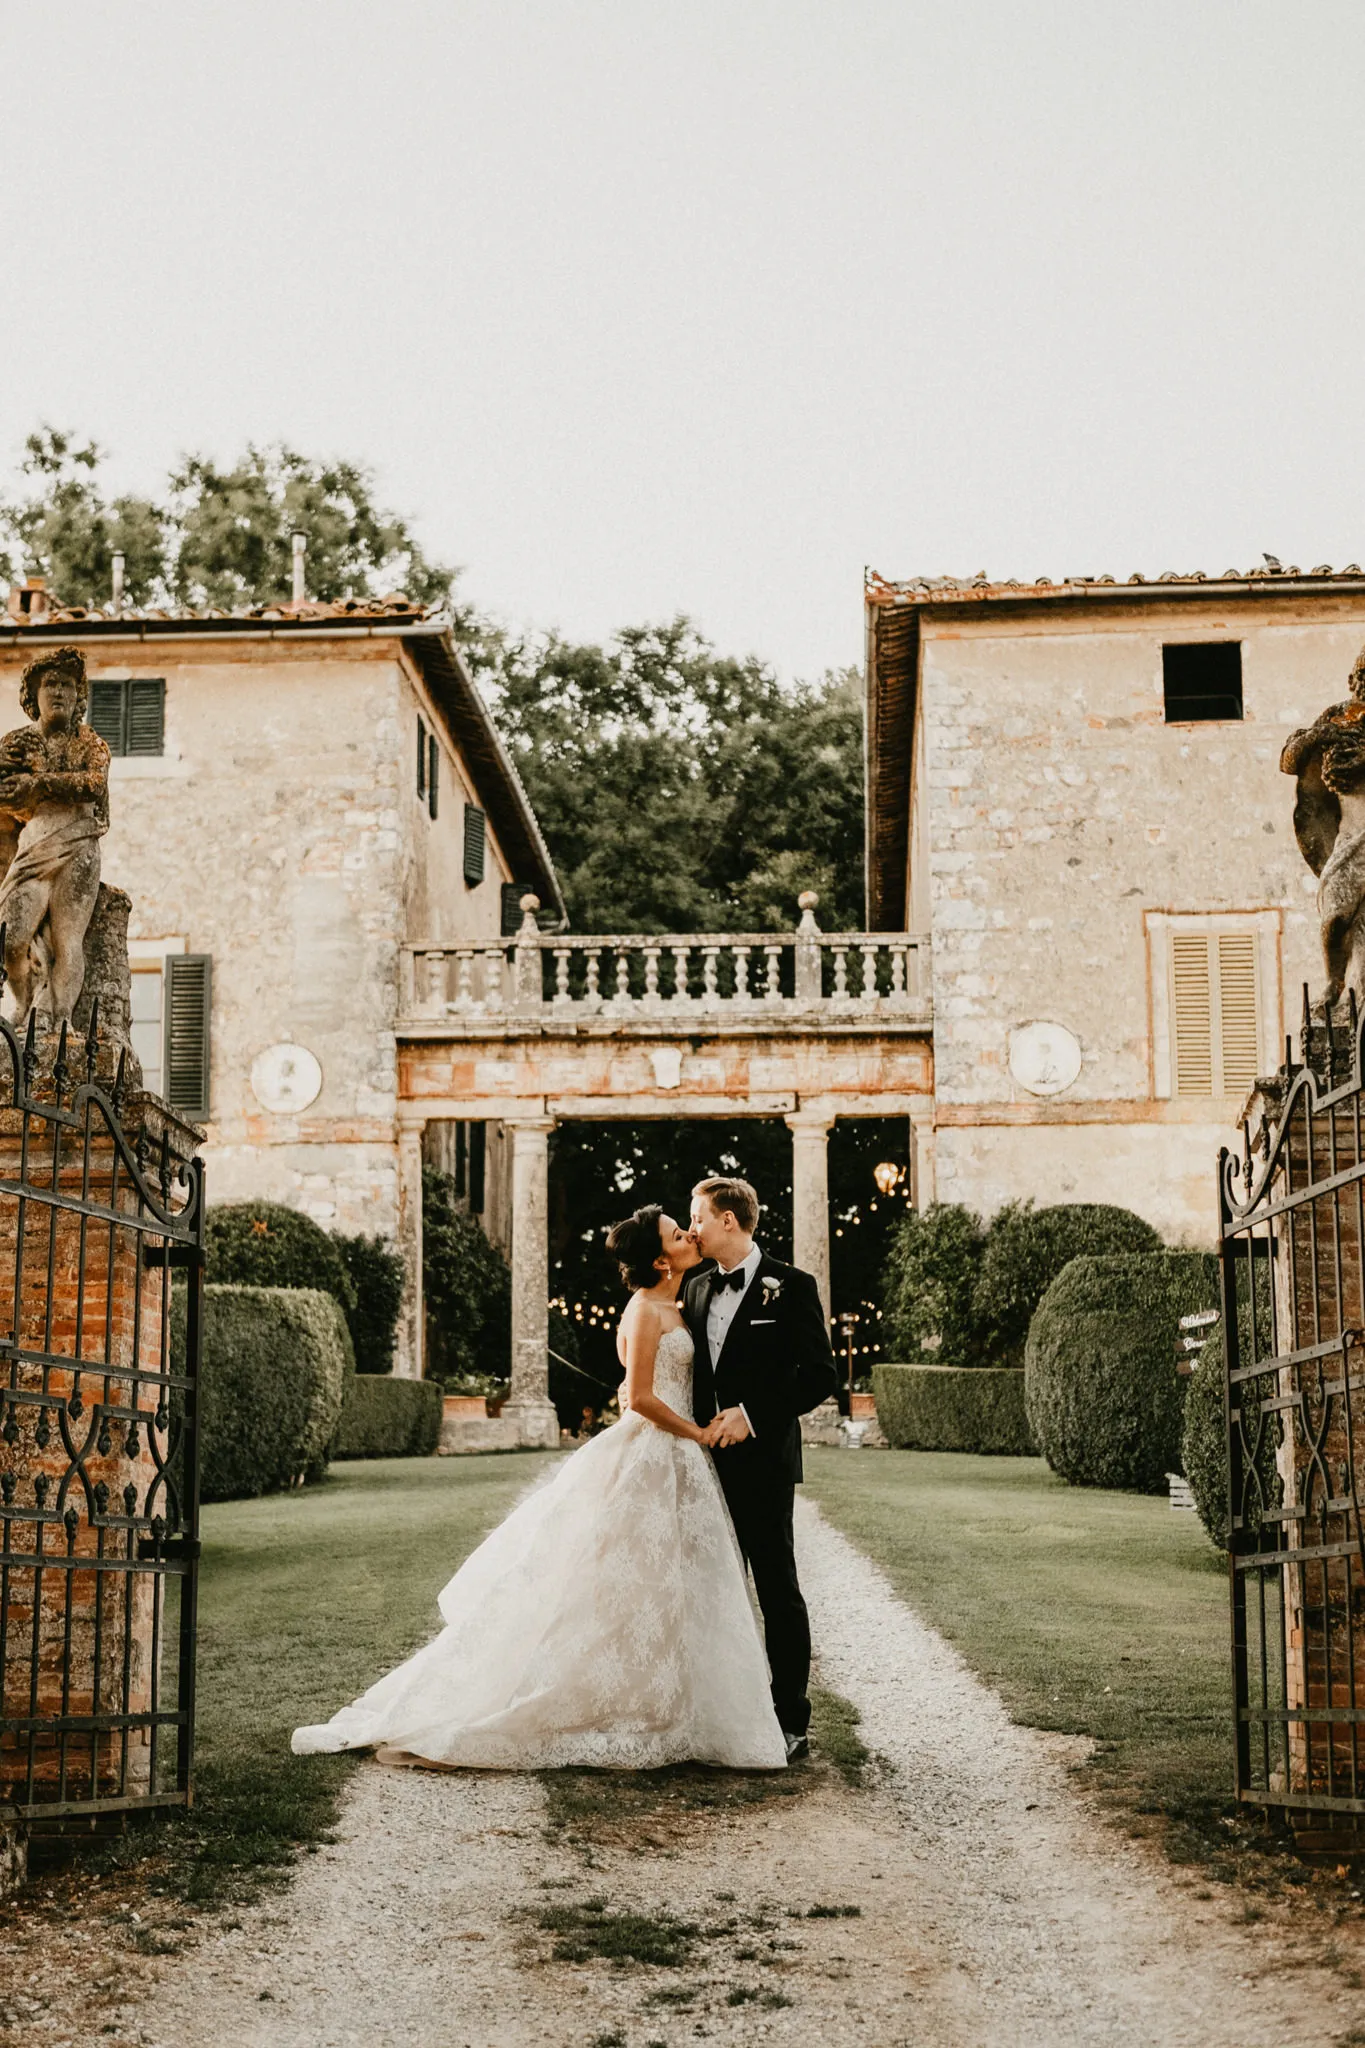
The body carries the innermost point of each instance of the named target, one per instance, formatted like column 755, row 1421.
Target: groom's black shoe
column 797, row 1746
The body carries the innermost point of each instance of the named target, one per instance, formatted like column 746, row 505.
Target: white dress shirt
column 723, row 1308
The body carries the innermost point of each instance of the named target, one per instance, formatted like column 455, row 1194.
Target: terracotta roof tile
column 923, row 590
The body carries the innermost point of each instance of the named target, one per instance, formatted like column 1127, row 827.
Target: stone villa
column 1074, row 793
column 299, row 793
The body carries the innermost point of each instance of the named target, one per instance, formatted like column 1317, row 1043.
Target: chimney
column 118, row 586
column 300, row 550
column 28, row 601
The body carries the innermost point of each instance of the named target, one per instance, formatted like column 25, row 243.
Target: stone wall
column 1055, row 811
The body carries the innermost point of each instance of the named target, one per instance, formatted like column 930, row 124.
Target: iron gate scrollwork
column 101, row 1201
column 1292, row 1229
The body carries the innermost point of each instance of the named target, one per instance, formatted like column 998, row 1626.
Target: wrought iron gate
column 1292, row 1226
column 100, row 1200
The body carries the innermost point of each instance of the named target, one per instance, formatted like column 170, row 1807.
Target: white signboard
column 1044, row 1058
column 285, row 1079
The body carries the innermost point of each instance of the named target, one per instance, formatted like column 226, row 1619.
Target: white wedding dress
column 605, row 1622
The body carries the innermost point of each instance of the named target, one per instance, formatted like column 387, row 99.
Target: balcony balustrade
column 645, row 981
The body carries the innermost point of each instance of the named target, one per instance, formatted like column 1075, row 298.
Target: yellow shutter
column 1215, row 1031
column 1240, row 1042
column 1191, row 1014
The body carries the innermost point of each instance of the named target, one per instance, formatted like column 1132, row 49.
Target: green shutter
column 105, row 714
column 146, row 719
column 421, row 758
column 185, row 1070
column 512, row 893
column 475, row 845
column 433, row 774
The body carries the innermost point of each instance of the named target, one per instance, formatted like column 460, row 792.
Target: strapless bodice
column 673, row 1371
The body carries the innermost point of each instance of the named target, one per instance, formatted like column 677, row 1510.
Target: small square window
column 1202, row 681
column 130, row 716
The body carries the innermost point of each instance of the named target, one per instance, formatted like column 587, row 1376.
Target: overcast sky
column 660, row 305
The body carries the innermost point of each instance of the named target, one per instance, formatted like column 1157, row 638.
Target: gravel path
column 996, row 1912
column 1079, row 1938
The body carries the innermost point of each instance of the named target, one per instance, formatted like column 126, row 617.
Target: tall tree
column 62, row 527
column 224, row 536
column 680, row 790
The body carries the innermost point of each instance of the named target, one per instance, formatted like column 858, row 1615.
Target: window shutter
column 1238, row 1034
column 433, row 773
column 105, row 714
column 478, row 1160
column 1191, row 1014
column 146, row 717
column 421, row 758
column 512, row 893
column 186, row 1066
column 475, row 842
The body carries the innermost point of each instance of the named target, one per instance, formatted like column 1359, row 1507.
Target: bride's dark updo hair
column 635, row 1244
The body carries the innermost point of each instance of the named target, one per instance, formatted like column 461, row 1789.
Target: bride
column 607, row 1620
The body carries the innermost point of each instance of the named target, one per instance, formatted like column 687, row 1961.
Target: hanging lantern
column 886, row 1175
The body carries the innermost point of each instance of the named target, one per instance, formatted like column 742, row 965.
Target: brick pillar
column 81, row 1447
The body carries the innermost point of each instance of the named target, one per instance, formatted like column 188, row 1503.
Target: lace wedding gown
column 605, row 1622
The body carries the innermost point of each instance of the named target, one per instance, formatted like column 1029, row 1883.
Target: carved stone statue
column 54, row 810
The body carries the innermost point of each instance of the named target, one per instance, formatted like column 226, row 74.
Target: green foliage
column 1204, row 1442
column 222, row 536
column 467, row 1287
column 1026, row 1248
column 234, row 529
column 953, row 1408
column 1105, row 1403
column 265, row 1244
column 273, row 1379
column 388, row 1418
column 929, row 1288
column 682, row 791
column 64, row 529
column 376, row 1273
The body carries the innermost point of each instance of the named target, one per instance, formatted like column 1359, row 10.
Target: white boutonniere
column 772, row 1289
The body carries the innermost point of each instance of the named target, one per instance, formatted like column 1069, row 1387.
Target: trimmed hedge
column 1204, row 1443
column 376, row 1272
column 1026, row 1248
column 953, row 1408
column 265, row 1244
column 388, row 1418
column 932, row 1267
column 1104, row 1400
column 275, row 1368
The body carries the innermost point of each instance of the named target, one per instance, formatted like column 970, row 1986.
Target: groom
column 762, row 1358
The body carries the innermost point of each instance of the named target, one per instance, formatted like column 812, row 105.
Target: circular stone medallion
column 1044, row 1058
column 285, row 1079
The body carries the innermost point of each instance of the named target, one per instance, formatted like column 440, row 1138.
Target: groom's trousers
column 762, row 1515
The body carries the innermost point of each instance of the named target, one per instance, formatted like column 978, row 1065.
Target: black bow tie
column 735, row 1279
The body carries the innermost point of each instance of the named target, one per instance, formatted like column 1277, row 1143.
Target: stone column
column 810, row 1196
column 529, row 1402
column 409, row 1344
column 922, row 1151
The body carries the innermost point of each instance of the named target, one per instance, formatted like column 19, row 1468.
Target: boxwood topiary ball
column 1104, row 1400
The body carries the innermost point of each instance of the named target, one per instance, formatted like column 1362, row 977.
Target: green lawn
column 1100, row 1614
column 305, row 1598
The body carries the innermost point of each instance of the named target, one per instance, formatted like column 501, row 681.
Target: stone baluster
column 623, row 976
column 741, row 954
column 494, row 970
column 772, row 992
column 840, row 972
column 464, row 975
column 680, row 973
column 652, row 974
column 592, row 995
column 808, row 951
column 435, row 1003
column 530, row 995
column 563, row 955
column 869, row 954
column 709, row 985
column 898, row 988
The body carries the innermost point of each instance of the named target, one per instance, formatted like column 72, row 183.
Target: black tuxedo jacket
column 776, row 1363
